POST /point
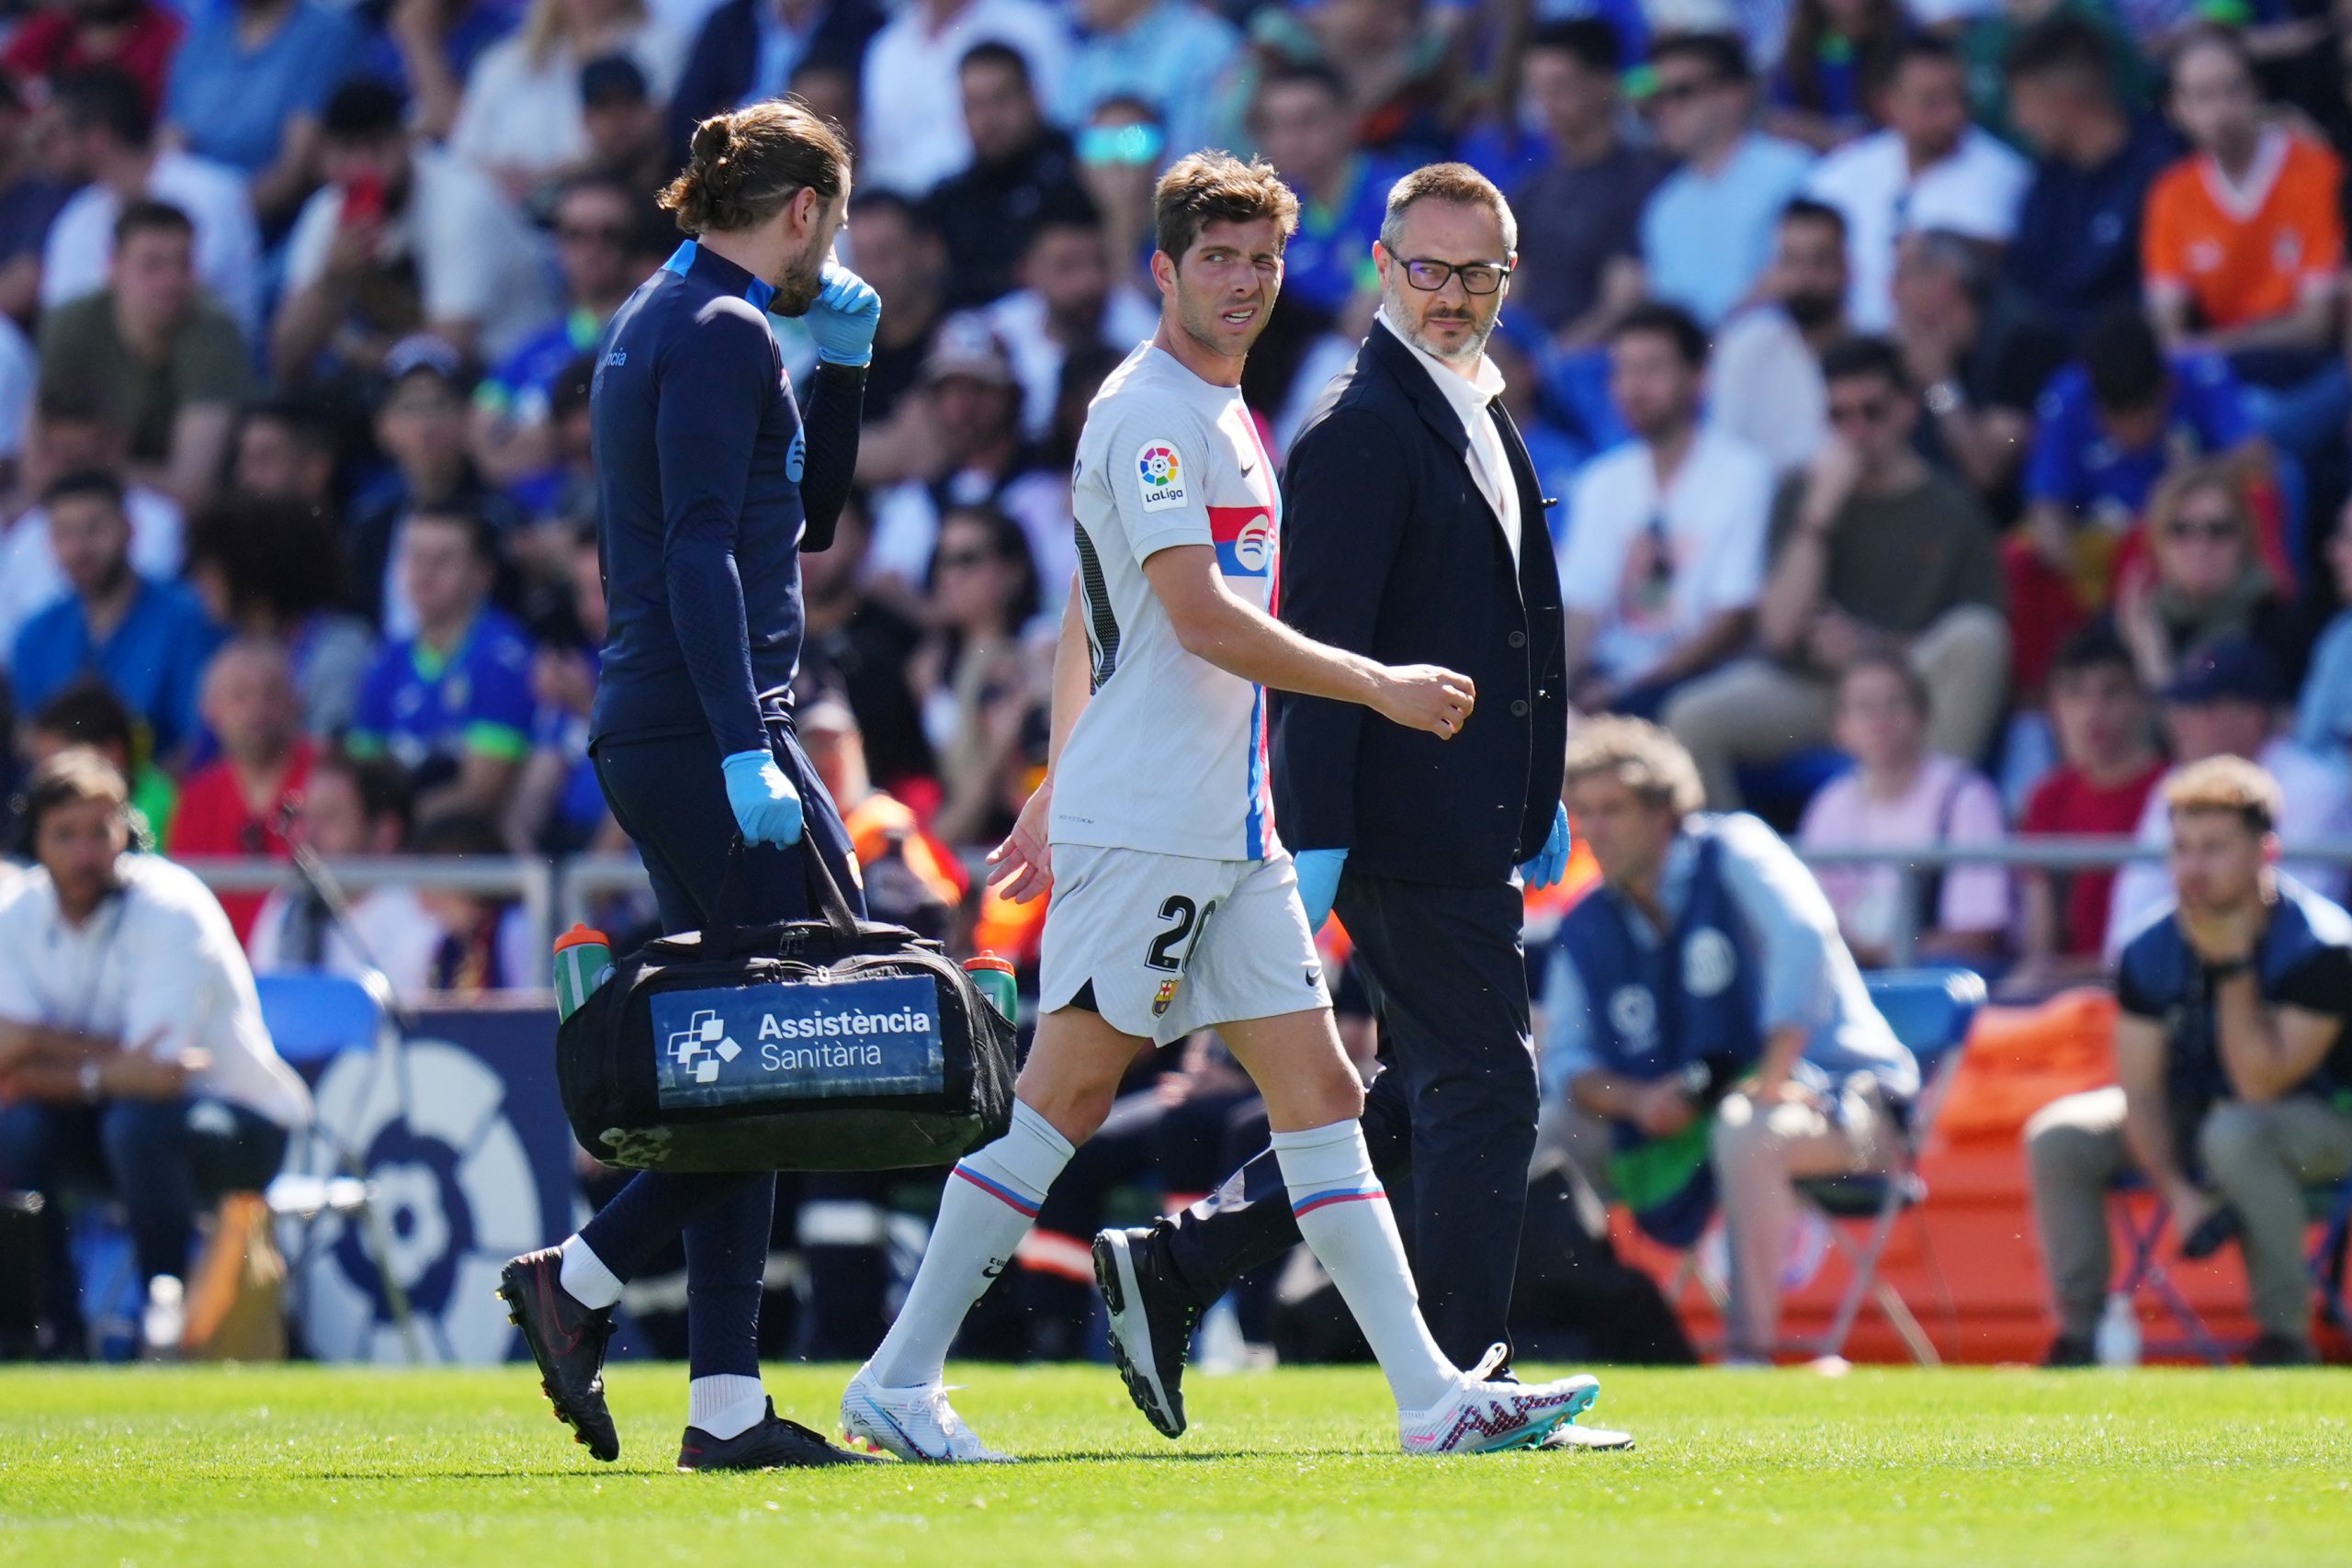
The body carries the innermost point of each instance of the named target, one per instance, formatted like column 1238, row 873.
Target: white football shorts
column 1172, row 943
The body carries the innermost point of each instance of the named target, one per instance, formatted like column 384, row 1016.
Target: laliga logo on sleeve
column 705, row 1037
column 1159, row 476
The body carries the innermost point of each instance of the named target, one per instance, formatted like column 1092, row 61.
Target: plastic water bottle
column 583, row 961
column 995, row 978
column 164, row 1323
column 2117, row 1343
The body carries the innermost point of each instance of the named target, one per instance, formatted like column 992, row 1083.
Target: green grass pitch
column 290, row 1467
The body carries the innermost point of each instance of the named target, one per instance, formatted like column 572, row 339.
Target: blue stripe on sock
column 1026, row 1206
column 1301, row 1207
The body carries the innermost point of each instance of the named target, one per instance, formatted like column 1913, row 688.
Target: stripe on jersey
column 1103, row 623
column 1254, row 826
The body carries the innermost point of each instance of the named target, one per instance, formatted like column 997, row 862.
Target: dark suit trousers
column 1454, row 1112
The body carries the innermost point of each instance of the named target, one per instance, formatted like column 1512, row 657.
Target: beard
column 1467, row 352
column 1810, row 311
column 803, row 279
column 1203, row 322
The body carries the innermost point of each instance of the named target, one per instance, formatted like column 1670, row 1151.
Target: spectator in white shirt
column 132, row 1053
column 402, row 239
column 1068, row 301
column 1665, row 552
column 350, row 808
column 912, row 104
column 1929, row 169
column 1766, row 385
column 107, row 138
column 1900, row 795
column 521, row 120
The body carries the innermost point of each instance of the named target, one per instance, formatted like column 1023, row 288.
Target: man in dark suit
column 1413, row 531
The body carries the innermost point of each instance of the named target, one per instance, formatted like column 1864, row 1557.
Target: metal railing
column 556, row 892
column 528, row 878
column 2073, row 852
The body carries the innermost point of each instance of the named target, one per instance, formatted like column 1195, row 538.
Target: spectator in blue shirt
column 1167, row 54
column 2078, row 247
column 247, row 87
column 148, row 639
column 452, row 703
column 1302, row 123
column 596, row 228
column 1707, row 233
column 2112, row 425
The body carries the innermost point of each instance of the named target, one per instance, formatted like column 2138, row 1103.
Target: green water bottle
column 994, row 976
column 583, row 961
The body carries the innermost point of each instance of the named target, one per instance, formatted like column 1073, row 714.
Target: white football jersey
column 1170, row 755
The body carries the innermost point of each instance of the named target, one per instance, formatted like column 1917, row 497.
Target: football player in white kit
column 1175, row 905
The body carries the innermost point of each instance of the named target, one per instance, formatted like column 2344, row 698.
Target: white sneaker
column 914, row 1423
column 1480, row 1417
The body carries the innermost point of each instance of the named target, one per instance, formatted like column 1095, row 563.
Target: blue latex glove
column 1551, row 862
column 845, row 318
column 1318, row 882
column 766, row 806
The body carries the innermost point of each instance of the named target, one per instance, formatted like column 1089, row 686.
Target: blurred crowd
column 1946, row 401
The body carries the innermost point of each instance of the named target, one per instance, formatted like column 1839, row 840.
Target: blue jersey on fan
column 426, row 709
column 2076, row 466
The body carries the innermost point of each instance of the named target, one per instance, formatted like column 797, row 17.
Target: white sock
column 727, row 1406
column 585, row 1277
column 1343, row 1213
column 990, row 1203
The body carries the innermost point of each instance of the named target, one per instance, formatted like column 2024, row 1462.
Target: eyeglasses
column 1477, row 277
column 2213, row 530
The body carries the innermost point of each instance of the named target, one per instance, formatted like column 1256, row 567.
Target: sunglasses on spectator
column 1869, row 411
column 1477, row 277
column 2213, row 530
column 1121, row 146
column 963, row 560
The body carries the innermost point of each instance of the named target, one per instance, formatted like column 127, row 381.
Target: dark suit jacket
column 1389, row 549
column 727, row 52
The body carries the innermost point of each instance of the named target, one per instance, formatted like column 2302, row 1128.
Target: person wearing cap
column 2224, row 702
column 976, row 458
column 2235, row 1086
column 421, row 426
column 401, row 238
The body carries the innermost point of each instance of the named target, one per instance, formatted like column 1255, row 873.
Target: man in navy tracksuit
column 713, row 481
